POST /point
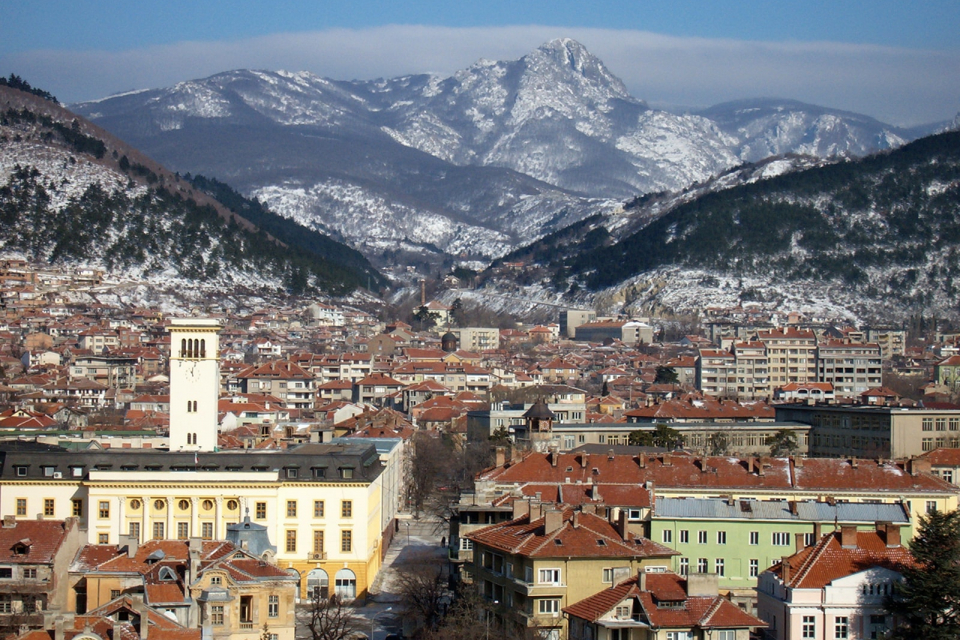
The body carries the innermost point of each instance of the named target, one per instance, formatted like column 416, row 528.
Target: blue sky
column 897, row 61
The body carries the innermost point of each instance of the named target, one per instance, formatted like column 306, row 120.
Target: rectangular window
column 466, row 545
column 931, row 506
column 718, row 567
column 684, row 566
column 727, row 634
column 808, row 627
column 318, row 541
column 21, row 506
column 114, row 594
column 721, row 537
column 754, row 567
column 346, row 509
column 702, row 565
column 808, row 540
column 781, row 538
column 48, row 507
column 273, row 607
column 291, row 508
column 346, row 541
column 702, row 537
column 318, row 508
column 216, row 615
column 667, row 536
column 183, row 530
column 549, row 607
column 30, row 574
column 134, row 530
column 103, row 538
column 754, row 537
column 104, row 510
column 6, row 572
column 684, row 536
column 158, row 531
column 261, row 511
column 548, row 576
column 206, row 530
column 606, row 575
column 291, row 546
column 76, row 508
column 926, row 444
column 841, row 627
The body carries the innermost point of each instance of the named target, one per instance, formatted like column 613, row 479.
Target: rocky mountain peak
column 566, row 56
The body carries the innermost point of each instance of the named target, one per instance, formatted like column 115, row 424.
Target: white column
column 218, row 520
column 195, row 517
column 121, row 504
column 170, row 534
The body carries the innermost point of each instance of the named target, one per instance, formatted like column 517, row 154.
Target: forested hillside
column 68, row 195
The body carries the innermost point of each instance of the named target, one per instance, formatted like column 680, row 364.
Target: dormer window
column 21, row 547
column 167, row 574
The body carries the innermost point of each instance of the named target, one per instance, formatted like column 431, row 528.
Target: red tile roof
column 833, row 475
column 695, row 612
column 581, row 535
column 41, row 539
column 817, row 566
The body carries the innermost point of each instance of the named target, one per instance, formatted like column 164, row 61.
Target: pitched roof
column 685, row 612
column 817, row 566
column 580, row 535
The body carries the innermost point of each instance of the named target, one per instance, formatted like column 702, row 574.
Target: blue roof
column 806, row 511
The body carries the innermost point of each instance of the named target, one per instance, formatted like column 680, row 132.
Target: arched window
column 183, row 348
column 318, row 584
column 203, row 348
column 346, row 584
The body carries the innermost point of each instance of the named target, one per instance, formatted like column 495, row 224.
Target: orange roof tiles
column 817, row 566
column 581, row 535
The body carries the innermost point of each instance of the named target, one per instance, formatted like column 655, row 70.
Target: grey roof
column 807, row 511
column 32, row 457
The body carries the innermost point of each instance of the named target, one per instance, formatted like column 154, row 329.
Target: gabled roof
column 685, row 612
column 817, row 566
column 580, row 535
column 32, row 541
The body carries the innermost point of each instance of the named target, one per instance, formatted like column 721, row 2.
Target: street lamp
column 408, row 532
column 373, row 621
column 487, row 620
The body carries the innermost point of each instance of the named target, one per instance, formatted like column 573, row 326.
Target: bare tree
column 430, row 462
column 331, row 619
column 422, row 587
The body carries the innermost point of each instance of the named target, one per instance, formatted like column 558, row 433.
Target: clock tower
column 194, row 383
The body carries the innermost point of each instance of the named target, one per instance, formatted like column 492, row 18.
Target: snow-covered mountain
column 467, row 166
column 71, row 194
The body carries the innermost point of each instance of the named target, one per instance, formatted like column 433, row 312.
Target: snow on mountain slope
column 557, row 116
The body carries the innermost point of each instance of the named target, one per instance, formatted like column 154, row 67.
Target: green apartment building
column 737, row 539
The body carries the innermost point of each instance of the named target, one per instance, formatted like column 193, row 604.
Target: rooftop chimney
column 890, row 533
column 642, row 580
column 667, row 460
column 554, row 455
column 799, row 543
column 552, row 521
column 798, row 462
column 848, row 536
column 584, row 459
column 853, row 462
column 751, row 464
column 9, row 522
column 785, row 569
column 916, row 466
column 642, row 459
column 576, row 519
column 130, row 542
column 817, row 532
column 703, row 585
column 536, row 510
column 501, row 456
column 520, row 508
column 594, row 490
column 609, row 454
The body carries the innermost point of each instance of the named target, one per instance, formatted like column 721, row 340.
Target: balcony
column 246, row 625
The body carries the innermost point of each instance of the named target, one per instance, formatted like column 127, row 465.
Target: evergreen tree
column 782, row 443
column 927, row 602
column 666, row 375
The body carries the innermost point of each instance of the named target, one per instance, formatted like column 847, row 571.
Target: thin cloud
column 901, row 86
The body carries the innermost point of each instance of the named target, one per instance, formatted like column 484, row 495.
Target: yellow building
column 539, row 562
column 209, row 584
column 321, row 503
